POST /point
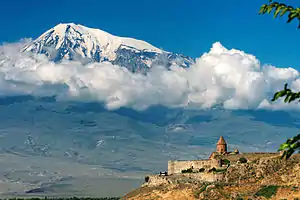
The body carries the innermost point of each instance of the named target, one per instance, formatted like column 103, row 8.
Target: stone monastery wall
column 176, row 166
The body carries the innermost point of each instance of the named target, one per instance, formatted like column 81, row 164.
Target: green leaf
column 269, row 9
column 289, row 153
column 294, row 139
column 287, row 98
column 284, row 146
column 278, row 9
column 284, row 10
column 263, row 9
column 292, row 144
column 293, row 97
column 295, row 145
column 279, row 94
column 292, row 16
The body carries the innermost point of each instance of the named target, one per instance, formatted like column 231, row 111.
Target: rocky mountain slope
column 267, row 177
column 77, row 42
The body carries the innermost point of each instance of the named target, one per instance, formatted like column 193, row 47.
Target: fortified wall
column 209, row 170
column 155, row 180
column 176, row 166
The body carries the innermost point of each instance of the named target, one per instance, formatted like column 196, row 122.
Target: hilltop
column 262, row 177
column 225, row 175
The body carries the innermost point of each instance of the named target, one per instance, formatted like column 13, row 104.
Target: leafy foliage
column 292, row 144
column 221, row 170
column 212, row 170
column 189, row 170
column 288, row 94
column 267, row 191
column 225, row 162
column 201, row 169
column 281, row 9
column 243, row 160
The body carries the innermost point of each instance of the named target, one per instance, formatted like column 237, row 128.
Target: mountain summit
column 77, row 42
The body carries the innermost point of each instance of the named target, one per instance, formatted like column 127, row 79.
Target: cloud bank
column 229, row 78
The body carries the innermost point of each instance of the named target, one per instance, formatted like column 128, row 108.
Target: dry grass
column 269, row 187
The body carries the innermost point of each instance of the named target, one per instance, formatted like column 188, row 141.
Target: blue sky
column 184, row 26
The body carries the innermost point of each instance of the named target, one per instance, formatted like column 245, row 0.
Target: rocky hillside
column 261, row 177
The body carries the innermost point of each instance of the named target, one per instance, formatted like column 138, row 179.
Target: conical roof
column 221, row 140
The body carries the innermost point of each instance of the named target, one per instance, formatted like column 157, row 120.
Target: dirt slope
column 263, row 178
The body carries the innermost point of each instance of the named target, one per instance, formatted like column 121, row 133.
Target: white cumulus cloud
column 231, row 78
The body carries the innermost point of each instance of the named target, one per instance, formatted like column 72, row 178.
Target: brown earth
column 262, row 177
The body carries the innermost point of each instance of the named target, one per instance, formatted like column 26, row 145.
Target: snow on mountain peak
column 76, row 42
column 90, row 39
column 107, row 38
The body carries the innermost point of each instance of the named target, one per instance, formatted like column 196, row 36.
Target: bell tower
column 221, row 146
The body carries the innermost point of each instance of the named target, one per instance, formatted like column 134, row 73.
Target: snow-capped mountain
column 76, row 42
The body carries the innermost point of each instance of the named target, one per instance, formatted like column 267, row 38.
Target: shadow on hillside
column 275, row 118
column 158, row 115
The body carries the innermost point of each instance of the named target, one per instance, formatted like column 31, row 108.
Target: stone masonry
column 176, row 166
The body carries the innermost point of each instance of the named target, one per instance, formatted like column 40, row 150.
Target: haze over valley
column 80, row 107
